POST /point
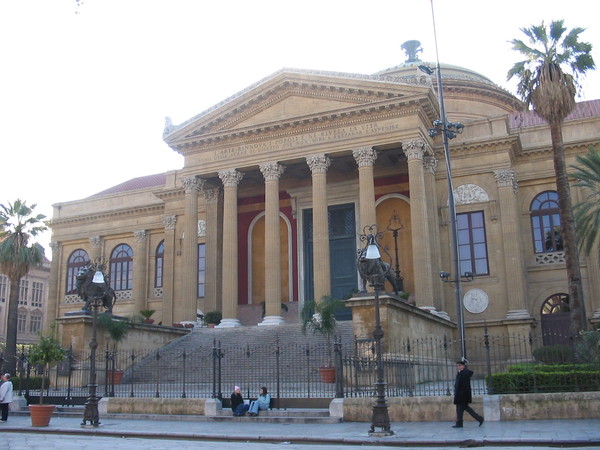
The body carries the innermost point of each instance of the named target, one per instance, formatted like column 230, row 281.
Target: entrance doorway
column 555, row 320
column 342, row 251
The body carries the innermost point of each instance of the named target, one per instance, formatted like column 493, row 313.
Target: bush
column 213, row 317
column 34, row 383
column 587, row 347
column 556, row 354
column 523, row 378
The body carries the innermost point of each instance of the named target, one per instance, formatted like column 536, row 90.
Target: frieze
column 297, row 141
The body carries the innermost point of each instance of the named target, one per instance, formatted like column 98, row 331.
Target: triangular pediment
column 292, row 97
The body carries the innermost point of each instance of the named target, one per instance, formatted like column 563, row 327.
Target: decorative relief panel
column 542, row 259
column 201, row 228
column 476, row 301
column 466, row 194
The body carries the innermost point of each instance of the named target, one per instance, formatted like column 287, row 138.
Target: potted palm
column 147, row 315
column 319, row 317
column 213, row 318
column 116, row 328
column 48, row 351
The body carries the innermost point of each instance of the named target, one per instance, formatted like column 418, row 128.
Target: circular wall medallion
column 476, row 300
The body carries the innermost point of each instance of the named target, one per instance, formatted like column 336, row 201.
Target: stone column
column 320, row 220
column 430, row 166
column 169, row 222
column 516, row 284
column 140, row 270
column 96, row 242
column 186, row 310
column 272, row 172
column 230, row 179
column 53, row 290
column 365, row 158
column 422, row 261
column 214, row 238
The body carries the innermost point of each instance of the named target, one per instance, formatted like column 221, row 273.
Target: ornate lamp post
column 374, row 271
column 394, row 226
column 96, row 289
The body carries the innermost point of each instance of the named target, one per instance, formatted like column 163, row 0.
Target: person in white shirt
column 6, row 396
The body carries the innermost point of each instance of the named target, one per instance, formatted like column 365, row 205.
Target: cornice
column 170, row 194
column 118, row 213
column 360, row 114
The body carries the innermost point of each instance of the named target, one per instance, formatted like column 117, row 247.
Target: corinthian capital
column 192, row 184
column 169, row 222
column 141, row 235
column 318, row 163
column 230, row 177
column 416, row 149
column 212, row 196
column 430, row 164
column 507, row 178
column 271, row 171
column 96, row 241
column 364, row 156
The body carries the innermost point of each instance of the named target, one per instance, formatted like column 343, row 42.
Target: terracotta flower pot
column 327, row 374
column 40, row 415
column 148, row 320
column 115, row 376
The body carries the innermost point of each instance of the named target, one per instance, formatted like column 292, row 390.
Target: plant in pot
column 48, row 351
column 319, row 317
column 117, row 328
column 213, row 318
column 147, row 315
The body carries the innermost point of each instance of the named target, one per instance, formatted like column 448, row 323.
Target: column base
column 518, row 314
column 229, row 323
column 271, row 320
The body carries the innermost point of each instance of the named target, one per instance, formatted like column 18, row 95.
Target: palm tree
column 17, row 256
column 548, row 81
column 587, row 212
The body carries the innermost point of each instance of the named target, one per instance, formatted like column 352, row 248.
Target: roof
column 147, row 181
column 590, row 108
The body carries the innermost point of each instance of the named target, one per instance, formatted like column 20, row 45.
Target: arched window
column 121, row 268
column 77, row 260
column 545, row 223
column 159, row 264
column 557, row 303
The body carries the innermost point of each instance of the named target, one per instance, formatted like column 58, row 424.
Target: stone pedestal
column 399, row 319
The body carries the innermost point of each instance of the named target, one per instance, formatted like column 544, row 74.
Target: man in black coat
column 462, row 395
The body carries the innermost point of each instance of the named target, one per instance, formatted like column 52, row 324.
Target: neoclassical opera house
column 280, row 179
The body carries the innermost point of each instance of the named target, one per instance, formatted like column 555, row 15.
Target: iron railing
column 419, row 367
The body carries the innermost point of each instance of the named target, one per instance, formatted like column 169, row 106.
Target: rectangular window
column 35, row 324
column 21, row 322
column 23, row 292
column 37, row 293
column 472, row 244
column 201, row 270
column 3, row 288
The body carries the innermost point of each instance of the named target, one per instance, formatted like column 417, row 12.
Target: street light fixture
column 96, row 292
column 448, row 130
column 372, row 268
column 395, row 225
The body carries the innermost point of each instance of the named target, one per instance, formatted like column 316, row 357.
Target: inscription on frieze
column 298, row 141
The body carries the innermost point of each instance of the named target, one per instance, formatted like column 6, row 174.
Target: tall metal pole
column 91, row 407
column 451, row 205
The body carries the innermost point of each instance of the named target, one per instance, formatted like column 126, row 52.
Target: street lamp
column 96, row 291
column 372, row 268
column 394, row 226
column 448, row 130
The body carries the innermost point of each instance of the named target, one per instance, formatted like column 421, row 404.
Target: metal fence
column 421, row 367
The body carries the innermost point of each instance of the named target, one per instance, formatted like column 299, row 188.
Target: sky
column 85, row 86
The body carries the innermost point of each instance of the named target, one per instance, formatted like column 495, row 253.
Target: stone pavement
column 128, row 430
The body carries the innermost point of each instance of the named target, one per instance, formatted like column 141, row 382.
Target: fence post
column 132, row 357
column 157, row 395
column 278, row 375
column 184, row 357
column 486, row 341
column 70, row 358
column 339, row 370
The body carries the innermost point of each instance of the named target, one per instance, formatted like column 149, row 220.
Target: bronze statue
column 88, row 290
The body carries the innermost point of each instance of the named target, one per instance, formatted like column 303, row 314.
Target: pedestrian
column 238, row 406
column 462, row 394
column 6, row 396
column 262, row 403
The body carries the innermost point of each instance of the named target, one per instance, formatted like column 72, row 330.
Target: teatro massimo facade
column 280, row 179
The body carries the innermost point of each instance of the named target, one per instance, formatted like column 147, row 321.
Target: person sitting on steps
column 262, row 403
column 238, row 406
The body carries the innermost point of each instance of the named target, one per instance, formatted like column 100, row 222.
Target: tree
column 18, row 225
column 587, row 212
column 548, row 81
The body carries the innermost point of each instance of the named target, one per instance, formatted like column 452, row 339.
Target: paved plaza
column 158, row 432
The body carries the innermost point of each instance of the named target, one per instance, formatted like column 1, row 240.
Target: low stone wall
column 162, row 406
column 567, row 405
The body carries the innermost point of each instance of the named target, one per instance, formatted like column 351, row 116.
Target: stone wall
column 563, row 405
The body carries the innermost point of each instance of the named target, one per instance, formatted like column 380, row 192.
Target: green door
column 342, row 249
